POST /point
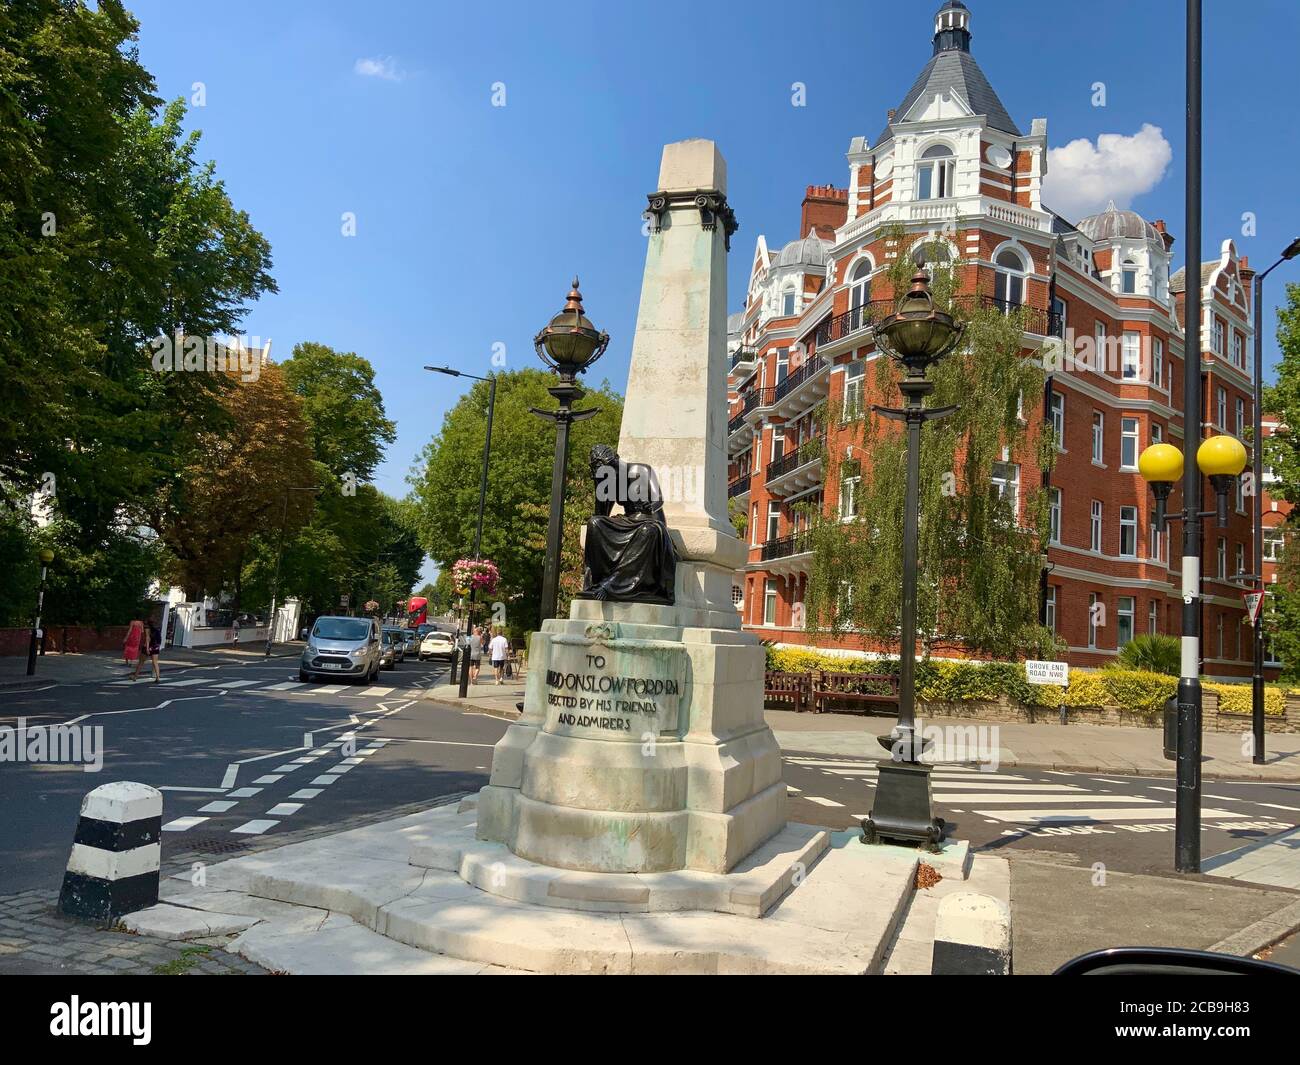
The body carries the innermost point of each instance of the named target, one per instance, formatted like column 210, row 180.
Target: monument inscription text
column 610, row 691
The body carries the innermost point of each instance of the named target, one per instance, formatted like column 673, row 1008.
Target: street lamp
column 568, row 344
column 1257, row 549
column 279, row 554
column 917, row 336
column 482, row 500
column 1221, row 458
column 46, row 556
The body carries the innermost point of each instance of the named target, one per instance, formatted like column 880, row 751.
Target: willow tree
column 979, row 566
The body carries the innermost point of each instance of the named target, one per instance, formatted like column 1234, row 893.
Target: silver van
column 342, row 647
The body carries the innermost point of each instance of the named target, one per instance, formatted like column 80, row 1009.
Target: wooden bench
column 866, row 690
column 794, row 689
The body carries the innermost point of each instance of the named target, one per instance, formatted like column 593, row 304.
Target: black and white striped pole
column 114, row 865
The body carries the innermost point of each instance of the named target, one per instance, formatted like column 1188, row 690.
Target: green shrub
column 1136, row 689
column 1237, row 698
column 1152, row 654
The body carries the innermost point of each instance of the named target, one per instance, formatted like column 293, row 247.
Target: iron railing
column 794, row 544
column 813, row 366
column 739, row 486
column 807, row 452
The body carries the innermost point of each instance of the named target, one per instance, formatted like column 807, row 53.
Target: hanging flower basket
column 370, row 607
column 479, row 575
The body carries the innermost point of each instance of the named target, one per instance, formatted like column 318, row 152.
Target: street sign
column 1057, row 673
column 1254, row 604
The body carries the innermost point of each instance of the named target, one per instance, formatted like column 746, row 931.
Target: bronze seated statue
column 628, row 557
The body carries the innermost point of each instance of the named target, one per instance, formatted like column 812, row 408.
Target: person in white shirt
column 500, row 651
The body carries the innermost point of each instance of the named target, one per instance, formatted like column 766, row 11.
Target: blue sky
column 471, row 219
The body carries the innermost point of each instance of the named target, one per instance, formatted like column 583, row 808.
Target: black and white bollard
column 113, row 868
column 972, row 936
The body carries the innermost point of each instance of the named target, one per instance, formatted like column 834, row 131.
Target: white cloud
column 379, row 67
column 1082, row 176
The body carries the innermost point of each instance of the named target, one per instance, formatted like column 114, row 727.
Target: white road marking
column 177, row 787
column 234, row 683
column 325, row 779
column 1021, row 797
column 254, row 828
column 219, row 807
column 284, row 809
column 184, row 683
column 270, row 778
column 341, row 768
column 284, row 686
column 182, row 824
column 306, row 793
column 376, row 691
column 823, row 802
column 331, row 689
column 1144, row 813
column 286, row 768
column 789, row 787
column 1009, row 785
column 232, row 771
column 244, row 793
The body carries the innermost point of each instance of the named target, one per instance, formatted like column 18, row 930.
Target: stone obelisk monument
column 642, row 746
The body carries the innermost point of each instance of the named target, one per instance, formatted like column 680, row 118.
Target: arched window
column 1129, row 278
column 860, row 285
column 935, row 173
column 931, row 253
column 1009, row 288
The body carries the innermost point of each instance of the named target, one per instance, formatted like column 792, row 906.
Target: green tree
column 1282, row 455
column 446, row 481
column 978, row 567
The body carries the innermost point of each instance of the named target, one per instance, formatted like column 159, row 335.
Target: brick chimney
column 825, row 209
column 1159, row 225
column 1247, row 277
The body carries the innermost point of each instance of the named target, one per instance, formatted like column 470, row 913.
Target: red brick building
column 964, row 181
column 1275, row 516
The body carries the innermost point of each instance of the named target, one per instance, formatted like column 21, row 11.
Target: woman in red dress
column 132, row 646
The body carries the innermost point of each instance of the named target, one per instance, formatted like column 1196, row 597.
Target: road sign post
column 1050, row 673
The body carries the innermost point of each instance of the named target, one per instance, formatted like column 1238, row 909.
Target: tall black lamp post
column 46, row 556
column 569, row 344
column 917, row 335
column 1257, row 675
column 1221, row 458
column 482, row 502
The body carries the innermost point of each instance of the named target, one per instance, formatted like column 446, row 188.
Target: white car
column 437, row 645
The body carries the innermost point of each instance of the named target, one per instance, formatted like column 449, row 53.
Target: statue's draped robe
column 629, row 557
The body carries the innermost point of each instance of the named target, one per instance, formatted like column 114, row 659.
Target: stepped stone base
column 351, row 902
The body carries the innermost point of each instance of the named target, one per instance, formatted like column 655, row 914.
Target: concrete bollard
column 972, row 936
column 113, row 867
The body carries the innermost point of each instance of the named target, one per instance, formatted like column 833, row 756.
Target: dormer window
column 1129, row 278
column 1009, row 288
column 936, row 173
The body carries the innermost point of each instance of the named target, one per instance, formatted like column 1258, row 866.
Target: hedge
column 947, row 681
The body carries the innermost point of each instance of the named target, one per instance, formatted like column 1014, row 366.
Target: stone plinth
column 642, row 746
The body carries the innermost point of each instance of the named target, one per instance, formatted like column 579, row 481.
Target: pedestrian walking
column 152, row 646
column 234, row 631
column 132, row 646
column 499, row 648
column 475, row 654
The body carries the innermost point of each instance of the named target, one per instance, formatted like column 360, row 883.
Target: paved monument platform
column 353, row 903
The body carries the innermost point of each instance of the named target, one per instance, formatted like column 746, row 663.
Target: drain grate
column 216, row 845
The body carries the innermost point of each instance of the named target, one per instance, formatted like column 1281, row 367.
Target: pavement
column 106, row 665
column 250, row 760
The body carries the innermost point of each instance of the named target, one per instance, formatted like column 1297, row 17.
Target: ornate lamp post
column 46, row 556
column 1221, row 458
column 569, row 344
column 917, row 335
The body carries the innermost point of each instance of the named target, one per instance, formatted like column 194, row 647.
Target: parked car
column 395, row 636
column 437, row 645
column 342, row 647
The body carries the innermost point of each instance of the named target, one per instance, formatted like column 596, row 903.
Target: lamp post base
column 904, row 809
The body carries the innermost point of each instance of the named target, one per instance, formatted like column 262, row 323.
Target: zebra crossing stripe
column 1020, row 797
column 1047, row 817
column 233, row 683
column 283, row 686
column 377, row 691
column 185, row 683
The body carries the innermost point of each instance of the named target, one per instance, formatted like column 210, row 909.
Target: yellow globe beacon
column 1221, row 455
column 1161, row 464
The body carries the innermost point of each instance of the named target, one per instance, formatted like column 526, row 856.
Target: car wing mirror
column 1168, row 961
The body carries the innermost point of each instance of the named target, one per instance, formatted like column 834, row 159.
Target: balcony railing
column 795, row 544
column 809, row 369
column 809, row 451
column 739, row 486
column 1037, row 320
column 741, row 355
column 755, row 398
column 735, row 423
